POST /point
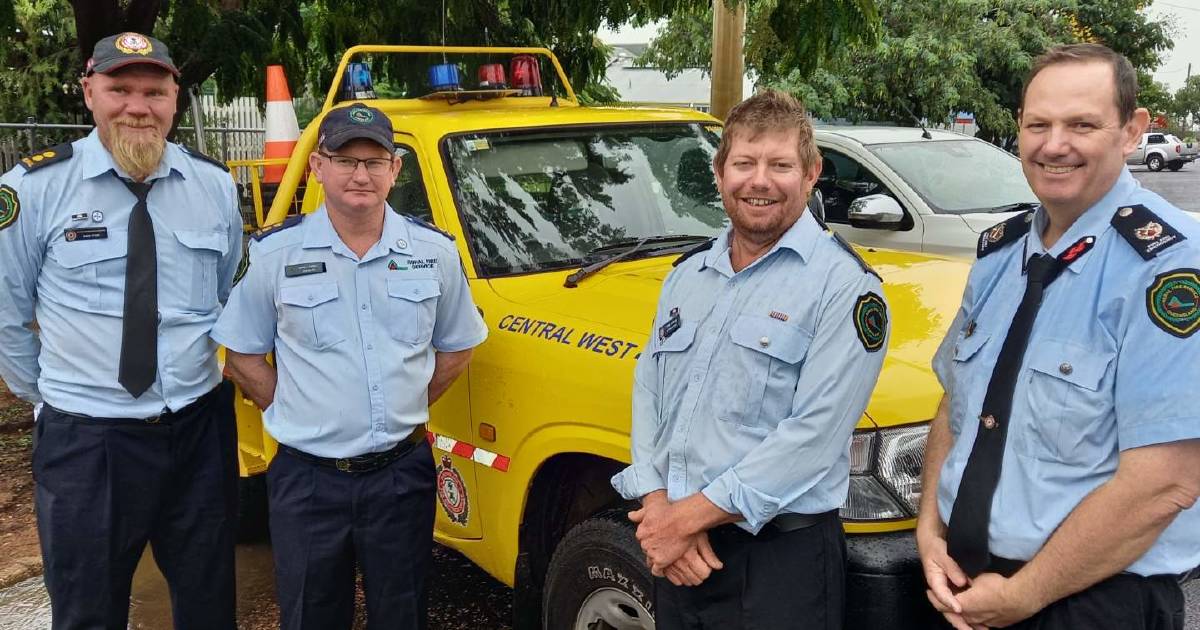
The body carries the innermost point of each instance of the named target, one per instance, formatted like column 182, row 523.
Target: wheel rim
column 612, row 609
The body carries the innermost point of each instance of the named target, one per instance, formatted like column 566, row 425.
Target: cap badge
column 361, row 115
column 133, row 44
column 1149, row 232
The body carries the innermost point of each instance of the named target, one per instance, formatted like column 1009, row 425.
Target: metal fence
column 223, row 143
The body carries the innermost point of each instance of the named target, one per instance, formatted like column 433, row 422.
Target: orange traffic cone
column 282, row 131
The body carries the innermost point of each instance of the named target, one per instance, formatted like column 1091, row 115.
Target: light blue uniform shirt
column 1098, row 377
column 76, row 288
column 354, row 339
column 753, row 399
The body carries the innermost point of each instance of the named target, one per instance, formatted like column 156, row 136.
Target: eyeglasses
column 345, row 165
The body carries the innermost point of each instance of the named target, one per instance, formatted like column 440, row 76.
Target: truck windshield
column 546, row 199
column 958, row 176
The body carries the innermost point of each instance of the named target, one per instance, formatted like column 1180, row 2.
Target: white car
column 894, row 187
column 1158, row 149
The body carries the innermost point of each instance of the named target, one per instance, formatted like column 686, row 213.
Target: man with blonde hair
column 765, row 348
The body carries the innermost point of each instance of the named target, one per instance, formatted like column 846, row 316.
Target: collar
column 98, row 161
column 1095, row 221
column 800, row 238
column 395, row 237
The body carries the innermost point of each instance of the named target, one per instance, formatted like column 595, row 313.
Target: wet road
column 1181, row 188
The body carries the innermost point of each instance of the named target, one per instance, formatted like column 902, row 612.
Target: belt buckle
column 342, row 465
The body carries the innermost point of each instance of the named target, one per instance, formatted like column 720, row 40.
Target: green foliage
column 1187, row 99
column 39, row 74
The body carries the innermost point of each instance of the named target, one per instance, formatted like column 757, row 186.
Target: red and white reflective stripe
column 468, row 451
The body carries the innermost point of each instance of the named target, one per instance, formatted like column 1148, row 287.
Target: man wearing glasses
column 371, row 320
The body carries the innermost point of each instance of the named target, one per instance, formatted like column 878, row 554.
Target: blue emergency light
column 356, row 83
column 444, row 77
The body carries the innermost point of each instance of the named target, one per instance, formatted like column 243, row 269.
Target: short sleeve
column 459, row 325
column 248, row 322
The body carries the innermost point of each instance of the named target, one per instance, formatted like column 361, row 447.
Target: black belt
column 166, row 417
column 789, row 522
column 361, row 463
column 1009, row 568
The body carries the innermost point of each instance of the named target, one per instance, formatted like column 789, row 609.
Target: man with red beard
column 122, row 247
column 765, row 348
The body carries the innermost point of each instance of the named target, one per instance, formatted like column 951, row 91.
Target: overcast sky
column 1173, row 71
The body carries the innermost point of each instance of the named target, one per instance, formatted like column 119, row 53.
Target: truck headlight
column 885, row 473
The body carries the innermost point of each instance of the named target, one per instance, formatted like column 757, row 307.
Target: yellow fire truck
column 536, row 187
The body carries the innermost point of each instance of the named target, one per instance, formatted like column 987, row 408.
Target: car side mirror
column 816, row 204
column 876, row 212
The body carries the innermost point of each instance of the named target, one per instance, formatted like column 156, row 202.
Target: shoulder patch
column 291, row 221
column 10, row 206
column 837, row 238
column 53, row 155
column 243, row 265
column 1144, row 230
column 706, row 245
column 1173, row 301
column 204, row 158
column 870, row 320
column 427, row 225
column 1003, row 233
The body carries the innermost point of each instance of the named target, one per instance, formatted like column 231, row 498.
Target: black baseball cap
column 344, row 124
column 125, row 49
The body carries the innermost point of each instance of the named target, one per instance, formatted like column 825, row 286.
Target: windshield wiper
column 1014, row 207
column 631, row 246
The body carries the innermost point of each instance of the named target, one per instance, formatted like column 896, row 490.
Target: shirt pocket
column 968, row 381
column 204, row 249
column 95, row 272
column 309, row 315
column 412, row 308
column 771, row 354
column 1068, row 403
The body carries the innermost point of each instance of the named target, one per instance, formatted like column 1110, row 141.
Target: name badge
column 304, row 269
column 672, row 325
column 85, row 234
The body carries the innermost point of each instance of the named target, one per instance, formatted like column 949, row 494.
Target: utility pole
column 728, row 66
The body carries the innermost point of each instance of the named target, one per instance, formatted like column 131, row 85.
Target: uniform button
column 374, row 388
column 764, row 342
column 1066, row 368
column 989, row 422
column 695, row 378
column 1125, row 212
column 364, row 307
column 370, row 347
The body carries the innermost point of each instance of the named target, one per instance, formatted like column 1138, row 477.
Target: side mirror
column 816, row 205
column 876, row 212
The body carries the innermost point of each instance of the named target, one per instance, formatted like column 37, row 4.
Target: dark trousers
column 323, row 521
column 105, row 488
column 1122, row 602
column 773, row 581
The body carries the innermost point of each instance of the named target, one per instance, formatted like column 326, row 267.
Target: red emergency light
column 526, row 75
column 491, row 76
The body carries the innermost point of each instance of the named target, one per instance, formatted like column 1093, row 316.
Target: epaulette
column 837, row 238
column 425, row 224
column 1003, row 233
column 706, row 245
column 1144, row 230
column 53, row 155
column 291, row 221
column 204, row 158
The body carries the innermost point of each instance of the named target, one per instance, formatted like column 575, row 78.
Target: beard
column 137, row 153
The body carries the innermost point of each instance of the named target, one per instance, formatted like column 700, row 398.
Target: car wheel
column 1174, row 166
column 1154, row 162
column 597, row 578
column 252, row 509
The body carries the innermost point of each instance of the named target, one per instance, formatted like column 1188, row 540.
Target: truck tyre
column 598, row 579
column 252, row 509
column 1176, row 165
column 1154, row 163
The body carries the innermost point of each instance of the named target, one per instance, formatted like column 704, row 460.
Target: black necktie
column 967, row 535
column 139, row 328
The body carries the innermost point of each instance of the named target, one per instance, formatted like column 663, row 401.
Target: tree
column 38, row 75
column 1187, row 100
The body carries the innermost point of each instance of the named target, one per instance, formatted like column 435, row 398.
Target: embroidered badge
column 995, row 234
column 1173, row 301
column 780, row 316
column 672, row 325
column 392, row 266
column 133, row 44
column 452, row 492
column 10, row 206
column 870, row 321
column 1149, row 232
column 361, row 115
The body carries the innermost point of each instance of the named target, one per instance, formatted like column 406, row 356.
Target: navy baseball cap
column 125, row 49
column 344, row 124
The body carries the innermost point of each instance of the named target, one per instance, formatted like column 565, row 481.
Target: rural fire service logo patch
column 1149, row 232
column 10, row 206
column 361, row 115
column 995, row 234
column 870, row 321
column 133, row 44
column 1173, row 301
column 452, row 492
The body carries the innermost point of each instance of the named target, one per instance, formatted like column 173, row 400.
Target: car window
column 408, row 194
column 534, row 200
column 843, row 179
column 958, row 176
column 1157, row 138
